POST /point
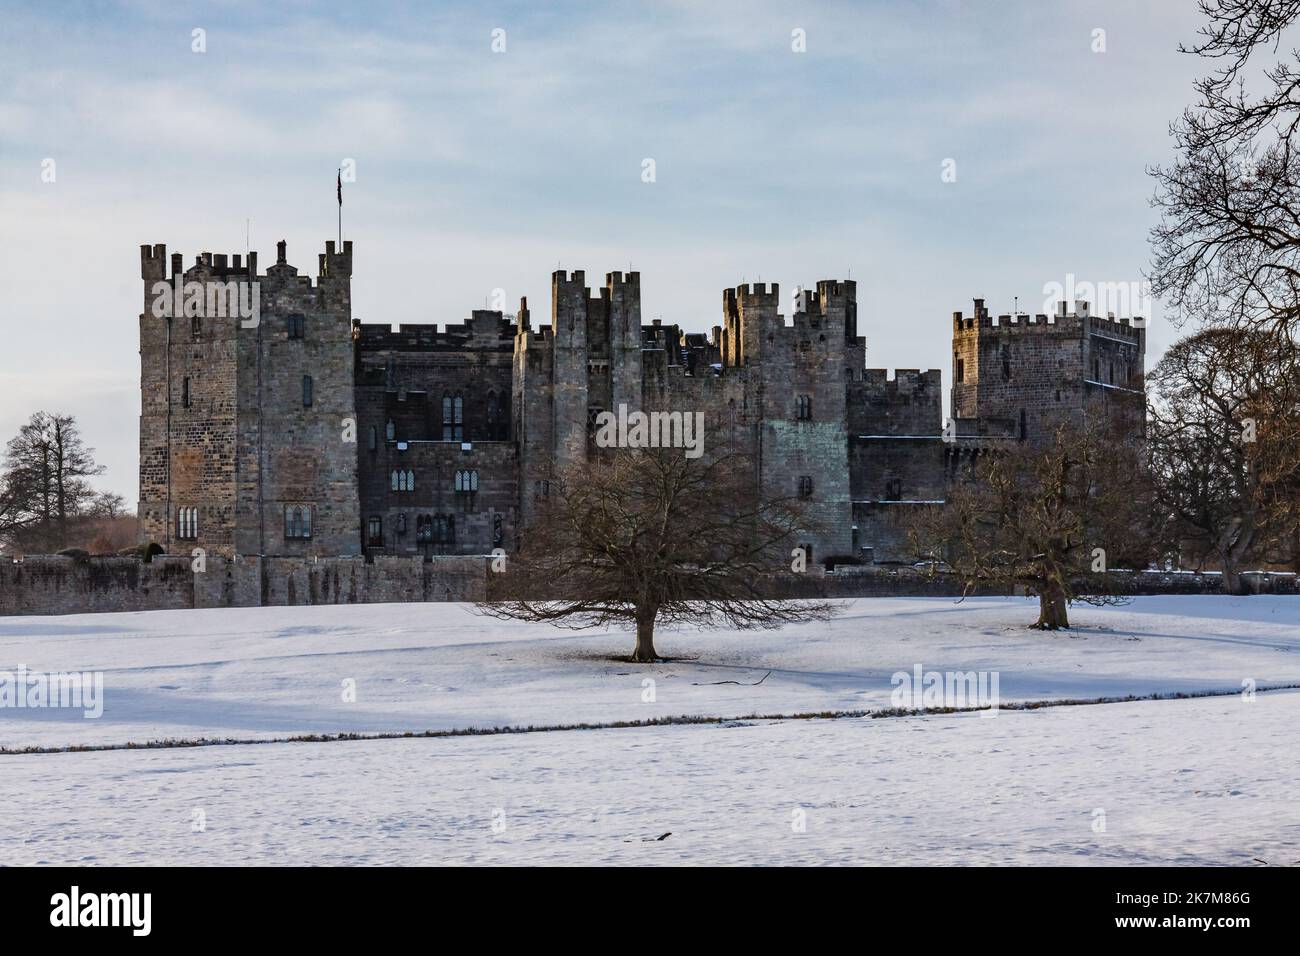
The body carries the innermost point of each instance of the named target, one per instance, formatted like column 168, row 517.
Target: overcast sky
column 479, row 170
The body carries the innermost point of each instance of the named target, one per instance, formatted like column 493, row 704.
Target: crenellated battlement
column 758, row 291
column 153, row 262
column 485, row 328
column 1061, row 320
column 577, row 277
column 332, row 265
column 903, row 379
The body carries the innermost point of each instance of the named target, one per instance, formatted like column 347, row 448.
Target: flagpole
column 340, row 209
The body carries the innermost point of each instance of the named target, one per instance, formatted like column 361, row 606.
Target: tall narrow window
column 187, row 523
column 196, row 326
column 459, row 414
column 446, row 416
column 961, row 370
column 375, row 532
column 804, row 407
column 185, row 392
column 306, row 391
column 373, row 438
column 805, row 486
column 390, row 430
column 295, row 324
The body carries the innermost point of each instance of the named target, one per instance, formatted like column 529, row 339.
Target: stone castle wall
column 54, row 584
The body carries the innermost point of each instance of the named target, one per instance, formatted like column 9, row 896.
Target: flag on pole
column 340, row 186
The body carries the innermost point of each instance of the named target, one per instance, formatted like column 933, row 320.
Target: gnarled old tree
column 1055, row 518
column 650, row 536
column 1223, row 425
column 1227, row 249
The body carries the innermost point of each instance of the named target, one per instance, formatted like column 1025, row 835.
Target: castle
column 305, row 433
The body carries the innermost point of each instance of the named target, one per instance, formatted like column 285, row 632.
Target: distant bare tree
column 45, row 470
column 1223, row 448
column 1055, row 518
column 650, row 536
column 107, row 504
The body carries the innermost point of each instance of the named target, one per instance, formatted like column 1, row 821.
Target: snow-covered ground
column 275, row 672
column 1207, row 780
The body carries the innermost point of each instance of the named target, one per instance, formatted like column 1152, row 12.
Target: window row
column 465, row 481
column 433, row 529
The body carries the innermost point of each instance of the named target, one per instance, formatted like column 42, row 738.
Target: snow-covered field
column 1209, row 780
column 275, row 672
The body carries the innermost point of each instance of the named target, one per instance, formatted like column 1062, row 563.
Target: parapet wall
column 53, row 584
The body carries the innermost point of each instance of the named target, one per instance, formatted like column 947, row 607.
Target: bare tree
column 107, row 504
column 650, row 536
column 45, row 470
column 1222, row 449
column 1055, row 518
column 1227, row 248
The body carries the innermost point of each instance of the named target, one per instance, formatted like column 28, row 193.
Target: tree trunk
column 1232, row 581
column 1052, row 607
column 1233, row 553
column 645, row 637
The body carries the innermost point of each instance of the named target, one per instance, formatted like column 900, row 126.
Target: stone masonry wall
column 53, row 584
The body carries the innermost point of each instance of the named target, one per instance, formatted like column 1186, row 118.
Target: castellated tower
column 795, row 395
column 569, row 350
column 588, row 360
column 244, row 427
column 1014, row 375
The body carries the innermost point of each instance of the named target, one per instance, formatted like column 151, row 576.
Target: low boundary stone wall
column 55, row 584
